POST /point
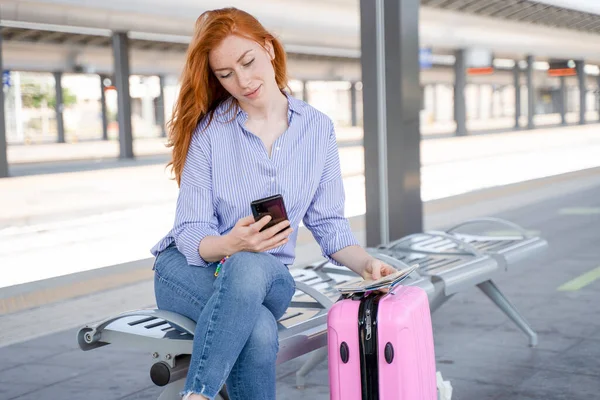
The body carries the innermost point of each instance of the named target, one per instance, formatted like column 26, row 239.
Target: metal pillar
column 59, row 107
column 353, row 116
column 460, row 104
column 3, row 144
column 517, row 84
column 492, row 100
column 391, row 102
column 501, row 101
column 530, row 93
column 478, row 103
column 103, row 106
column 121, row 57
column 579, row 65
column 434, row 101
column 562, row 101
column 305, row 91
column 160, row 107
column 598, row 89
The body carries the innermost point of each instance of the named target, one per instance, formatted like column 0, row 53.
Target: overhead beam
column 99, row 41
column 51, row 37
column 24, row 34
column 76, row 39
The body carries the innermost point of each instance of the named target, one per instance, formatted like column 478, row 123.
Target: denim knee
column 263, row 343
column 246, row 276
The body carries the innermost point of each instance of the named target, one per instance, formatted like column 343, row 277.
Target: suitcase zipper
column 368, row 347
column 368, row 325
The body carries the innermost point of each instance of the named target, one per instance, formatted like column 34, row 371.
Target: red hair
column 201, row 92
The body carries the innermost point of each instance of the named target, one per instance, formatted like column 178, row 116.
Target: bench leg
column 173, row 389
column 316, row 358
column 492, row 291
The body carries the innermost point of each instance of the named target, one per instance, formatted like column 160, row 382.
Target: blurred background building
column 72, row 44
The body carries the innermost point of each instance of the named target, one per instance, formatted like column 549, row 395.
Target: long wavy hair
column 201, row 91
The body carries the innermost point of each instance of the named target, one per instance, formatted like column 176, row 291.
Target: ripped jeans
column 236, row 339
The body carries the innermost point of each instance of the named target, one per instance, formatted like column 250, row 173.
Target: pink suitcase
column 381, row 347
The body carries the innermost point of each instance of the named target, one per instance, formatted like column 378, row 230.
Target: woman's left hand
column 375, row 269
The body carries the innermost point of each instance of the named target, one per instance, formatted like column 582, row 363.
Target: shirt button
column 272, row 179
column 277, row 148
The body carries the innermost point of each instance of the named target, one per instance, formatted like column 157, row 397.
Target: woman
column 238, row 137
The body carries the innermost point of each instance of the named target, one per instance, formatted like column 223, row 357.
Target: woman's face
column 244, row 69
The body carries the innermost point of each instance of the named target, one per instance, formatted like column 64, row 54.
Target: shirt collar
column 294, row 104
column 227, row 110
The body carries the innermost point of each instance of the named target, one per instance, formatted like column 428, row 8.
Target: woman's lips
column 253, row 93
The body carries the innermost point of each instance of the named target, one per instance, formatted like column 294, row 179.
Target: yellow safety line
column 581, row 281
column 580, row 211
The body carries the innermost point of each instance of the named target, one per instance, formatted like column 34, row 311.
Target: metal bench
column 509, row 249
column 168, row 336
column 449, row 262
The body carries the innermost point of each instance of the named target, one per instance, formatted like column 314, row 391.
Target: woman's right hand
column 246, row 234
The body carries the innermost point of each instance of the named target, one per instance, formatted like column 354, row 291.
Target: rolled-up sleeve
column 195, row 216
column 325, row 215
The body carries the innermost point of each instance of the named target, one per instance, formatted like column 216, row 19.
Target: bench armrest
column 468, row 249
column 497, row 221
column 89, row 335
column 315, row 294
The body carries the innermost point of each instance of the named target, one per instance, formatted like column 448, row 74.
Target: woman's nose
column 243, row 79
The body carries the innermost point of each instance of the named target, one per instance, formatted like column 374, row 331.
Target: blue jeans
column 236, row 315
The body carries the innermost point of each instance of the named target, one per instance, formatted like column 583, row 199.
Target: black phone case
column 259, row 210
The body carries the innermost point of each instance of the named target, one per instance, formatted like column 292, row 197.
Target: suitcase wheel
column 389, row 353
column 344, row 352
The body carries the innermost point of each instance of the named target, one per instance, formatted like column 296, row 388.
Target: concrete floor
column 477, row 348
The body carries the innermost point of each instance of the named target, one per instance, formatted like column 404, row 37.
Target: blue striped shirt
column 227, row 167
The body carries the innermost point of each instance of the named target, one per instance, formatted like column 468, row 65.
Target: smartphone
column 272, row 206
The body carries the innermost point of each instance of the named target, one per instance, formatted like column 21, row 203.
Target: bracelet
column 220, row 265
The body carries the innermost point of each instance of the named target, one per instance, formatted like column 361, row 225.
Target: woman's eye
column 226, row 76
column 248, row 63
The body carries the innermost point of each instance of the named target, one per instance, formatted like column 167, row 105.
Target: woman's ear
column 270, row 49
